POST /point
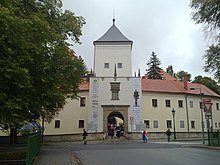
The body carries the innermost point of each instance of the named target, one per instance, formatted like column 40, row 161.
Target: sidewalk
column 55, row 157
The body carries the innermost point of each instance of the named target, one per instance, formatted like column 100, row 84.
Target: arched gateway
column 111, row 111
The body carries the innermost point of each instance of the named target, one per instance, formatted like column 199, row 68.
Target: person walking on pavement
column 144, row 136
column 84, row 136
column 168, row 132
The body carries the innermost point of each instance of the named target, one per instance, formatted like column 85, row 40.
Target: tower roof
column 113, row 35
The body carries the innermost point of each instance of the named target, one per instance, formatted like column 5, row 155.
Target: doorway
column 115, row 113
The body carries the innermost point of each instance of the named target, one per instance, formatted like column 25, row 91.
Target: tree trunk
column 13, row 135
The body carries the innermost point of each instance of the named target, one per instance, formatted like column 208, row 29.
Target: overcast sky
column 162, row 26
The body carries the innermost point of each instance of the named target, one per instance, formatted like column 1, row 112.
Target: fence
column 33, row 147
column 214, row 137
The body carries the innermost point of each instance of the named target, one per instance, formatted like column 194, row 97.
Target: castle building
column 112, row 94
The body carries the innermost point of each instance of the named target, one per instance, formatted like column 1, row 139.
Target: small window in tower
column 106, row 65
column 115, row 88
column 119, row 65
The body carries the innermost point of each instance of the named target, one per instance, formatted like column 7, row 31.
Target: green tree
column 209, row 82
column 207, row 12
column 170, row 71
column 180, row 75
column 212, row 61
column 154, row 71
column 37, row 69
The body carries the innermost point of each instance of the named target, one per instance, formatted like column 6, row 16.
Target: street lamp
column 202, row 122
column 174, row 129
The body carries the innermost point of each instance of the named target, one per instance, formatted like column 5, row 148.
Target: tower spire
column 113, row 17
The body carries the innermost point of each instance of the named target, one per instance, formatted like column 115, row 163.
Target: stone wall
column 103, row 136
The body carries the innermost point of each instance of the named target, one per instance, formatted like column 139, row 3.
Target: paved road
column 127, row 153
column 138, row 153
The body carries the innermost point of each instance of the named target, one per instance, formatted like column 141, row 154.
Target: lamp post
column 174, row 129
column 202, row 121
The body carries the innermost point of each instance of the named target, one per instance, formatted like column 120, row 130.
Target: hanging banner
column 136, row 100
column 94, row 105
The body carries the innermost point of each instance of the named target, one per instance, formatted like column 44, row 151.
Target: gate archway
column 117, row 111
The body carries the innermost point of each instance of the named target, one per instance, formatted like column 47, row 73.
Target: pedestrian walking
column 144, row 136
column 84, row 135
column 168, row 132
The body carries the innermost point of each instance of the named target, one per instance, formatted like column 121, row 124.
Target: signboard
column 207, row 105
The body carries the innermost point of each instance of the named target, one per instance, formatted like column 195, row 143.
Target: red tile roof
column 174, row 86
column 84, row 86
column 169, row 85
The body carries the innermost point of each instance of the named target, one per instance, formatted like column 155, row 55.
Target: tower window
column 115, row 88
column 119, row 65
column 106, row 65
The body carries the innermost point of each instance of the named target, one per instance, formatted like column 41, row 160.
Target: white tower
column 111, row 90
column 112, row 49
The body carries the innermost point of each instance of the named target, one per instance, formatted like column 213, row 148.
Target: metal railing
column 214, row 138
column 33, row 147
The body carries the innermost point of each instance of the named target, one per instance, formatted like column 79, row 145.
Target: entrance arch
column 120, row 111
column 115, row 117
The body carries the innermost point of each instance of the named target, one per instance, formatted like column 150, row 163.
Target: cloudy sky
column 162, row 26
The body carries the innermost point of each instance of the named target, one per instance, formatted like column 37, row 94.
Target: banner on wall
column 94, row 105
column 136, row 100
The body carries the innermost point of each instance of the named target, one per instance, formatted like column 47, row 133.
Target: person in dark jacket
column 168, row 132
column 84, row 135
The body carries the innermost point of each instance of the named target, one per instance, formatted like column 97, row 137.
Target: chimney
column 185, row 81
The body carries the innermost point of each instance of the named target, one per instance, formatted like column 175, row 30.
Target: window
column 155, row 123
column 191, row 104
column 106, row 65
column 82, row 101
column 182, row 124
column 180, row 103
column 216, row 125
column 200, row 105
column 57, row 124
column 81, row 123
column 193, row 124
column 167, row 102
column 147, row 122
column 119, row 65
column 115, row 88
column 154, row 102
column 169, row 124
column 217, row 106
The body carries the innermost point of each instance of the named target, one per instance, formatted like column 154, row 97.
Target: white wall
column 112, row 54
